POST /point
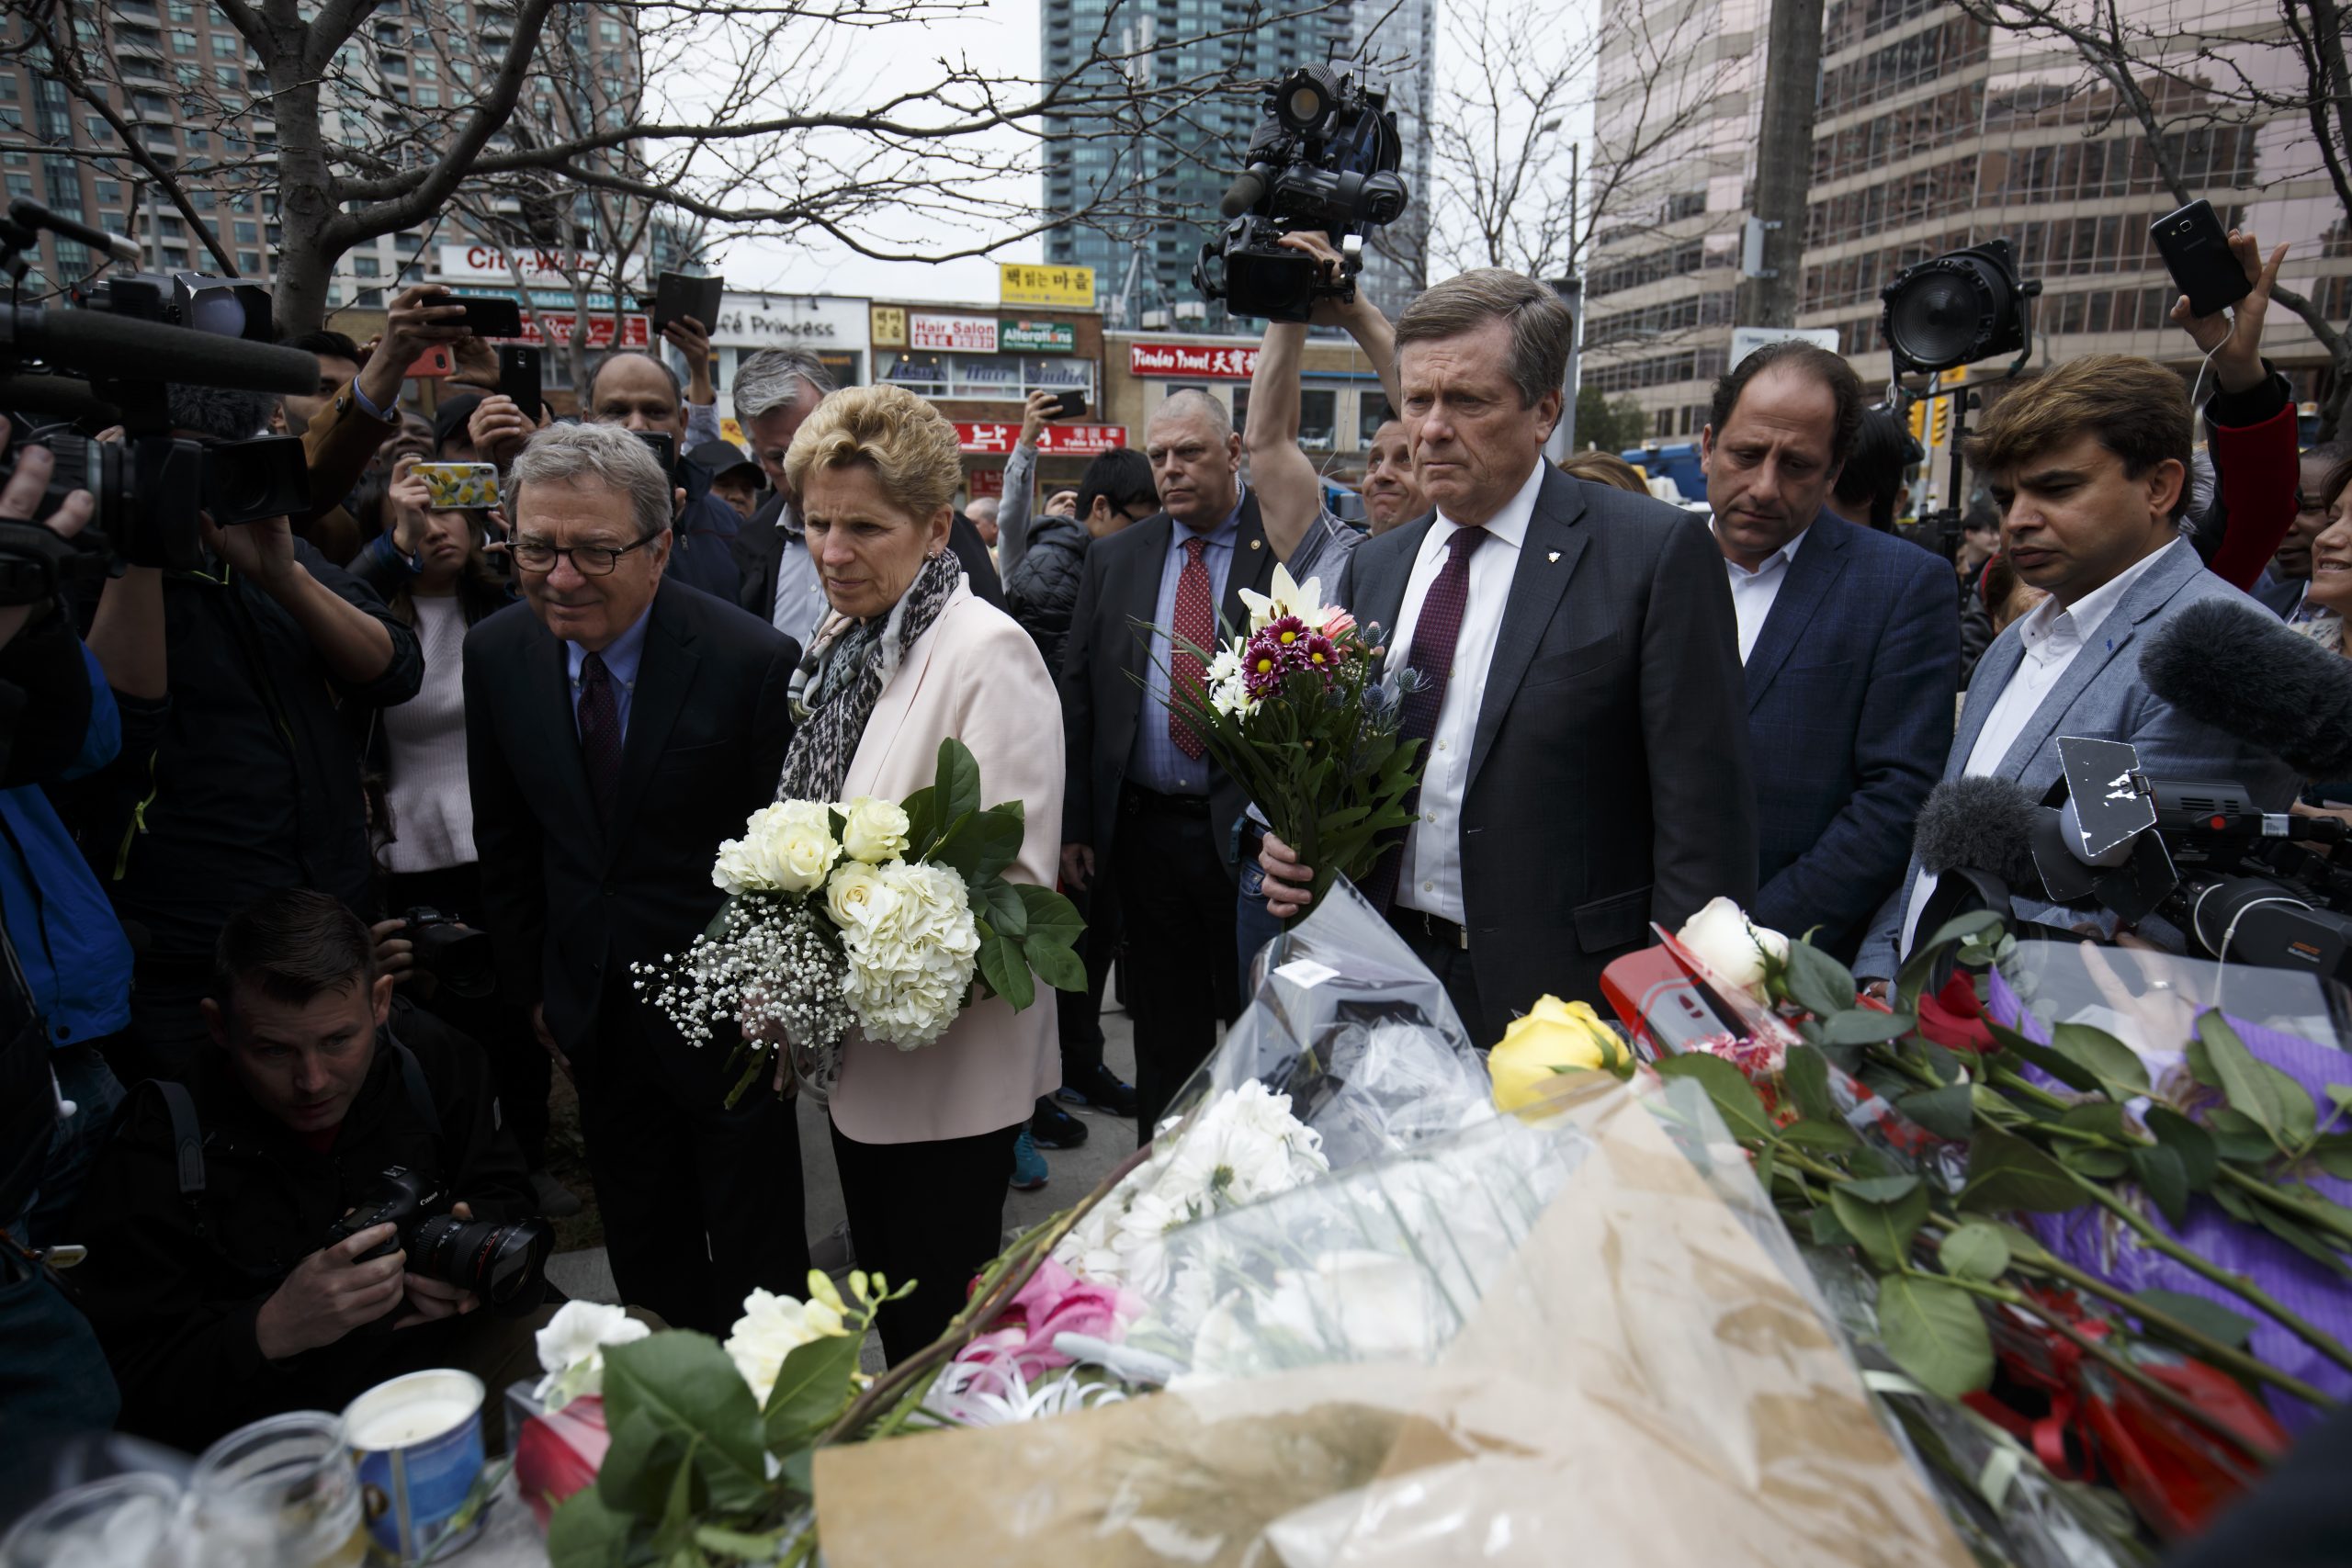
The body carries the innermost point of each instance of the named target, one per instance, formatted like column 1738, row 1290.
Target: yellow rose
column 1554, row 1037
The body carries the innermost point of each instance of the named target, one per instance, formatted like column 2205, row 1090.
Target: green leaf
column 1764, row 1168
column 1005, row 968
column 2163, row 1178
column 1805, row 1075
column 2332, row 1151
column 1057, row 966
column 1735, row 1097
column 922, row 822
column 2063, row 1069
column 1867, row 1026
column 2267, row 1097
column 813, row 1387
column 2192, row 1144
column 1827, row 1231
column 1934, row 1331
column 585, row 1532
column 1882, row 1225
column 2208, row 1317
column 1947, row 1113
column 1835, row 1138
column 735, row 1545
column 2237, row 1137
column 686, row 1385
column 2103, row 1117
column 1054, row 920
column 1975, row 1251
column 981, row 846
column 642, row 1462
column 2099, row 1165
column 2101, row 1052
column 958, row 784
column 2007, row 1172
column 999, row 903
column 2295, row 1234
column 1818, row 982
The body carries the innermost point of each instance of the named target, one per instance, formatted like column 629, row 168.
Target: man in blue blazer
column 2089, row 463
column 1850, row 639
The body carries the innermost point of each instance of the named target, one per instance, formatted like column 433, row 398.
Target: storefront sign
column 555, row 327
column 1037, row 337
column 889, row 322
column 1162, row 360
column 960, row 335
column 541, row 269
column 781, row 320
column 1061, row 440
column 984, row 481
column 1026, row 283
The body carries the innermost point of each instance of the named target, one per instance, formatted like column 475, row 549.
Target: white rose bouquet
column 888, row 918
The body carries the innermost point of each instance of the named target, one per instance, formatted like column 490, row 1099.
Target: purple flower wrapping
column 2095, row 1241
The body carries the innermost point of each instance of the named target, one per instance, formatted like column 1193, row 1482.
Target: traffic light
column 1943, row 420
column 1920, row 422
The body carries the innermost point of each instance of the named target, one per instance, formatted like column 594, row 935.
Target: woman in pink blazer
column 909, row 656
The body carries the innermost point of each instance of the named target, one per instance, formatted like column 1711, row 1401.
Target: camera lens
column 458, row 958
column 505, row 1265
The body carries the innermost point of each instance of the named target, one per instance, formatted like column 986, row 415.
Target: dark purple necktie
column 600, row 734
column 1435, row 633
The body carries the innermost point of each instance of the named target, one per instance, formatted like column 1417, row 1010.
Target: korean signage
column 985, row 481
column 541, row 269
column 1066, row 440
column 556, row 327
column 889, row 324
column 960, row 335
column 1165, row 359
column 777, row 321
column 1026, row 283
column 1037, row 337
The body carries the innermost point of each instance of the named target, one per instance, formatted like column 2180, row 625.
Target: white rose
column 571, row 1350
column 859, row 898
column 771, row 1328
column 876, row 830
column 1733, row 947
column 797, row 842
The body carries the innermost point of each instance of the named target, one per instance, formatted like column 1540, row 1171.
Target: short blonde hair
column 1604, row 469
column 911, row 446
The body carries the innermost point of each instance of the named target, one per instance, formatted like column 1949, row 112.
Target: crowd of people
column 247, row 804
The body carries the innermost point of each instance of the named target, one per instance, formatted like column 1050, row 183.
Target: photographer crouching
column 321, row 1207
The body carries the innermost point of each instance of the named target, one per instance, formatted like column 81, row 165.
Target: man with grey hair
column 775, row 390
column 597, row 818
column 1580, row 695
column 1146, row 809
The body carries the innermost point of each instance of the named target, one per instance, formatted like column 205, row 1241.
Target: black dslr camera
column 505, row 1265
column 1325, row 157
column 449, row 951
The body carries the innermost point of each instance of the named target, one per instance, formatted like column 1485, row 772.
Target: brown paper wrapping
column 1644, row 1383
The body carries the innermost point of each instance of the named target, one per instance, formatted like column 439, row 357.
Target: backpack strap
column 187, row 1137
column 420, row 1092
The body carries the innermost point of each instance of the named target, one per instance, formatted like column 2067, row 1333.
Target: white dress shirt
column 1430, row 877
column 1752, row 593
column 2052, row 635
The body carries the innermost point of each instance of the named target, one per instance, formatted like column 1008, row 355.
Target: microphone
column 100, row 344
column 1979, row 824
column 1244, row 193
column 24, row 209
column 2233, row 667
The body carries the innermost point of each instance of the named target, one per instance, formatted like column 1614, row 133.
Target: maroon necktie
column 1196, row 625
column 600, row 734
column 1435, row 633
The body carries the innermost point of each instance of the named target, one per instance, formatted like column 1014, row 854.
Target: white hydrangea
column 771, row 1328
column 873, row 831
column 911, row 966
column 786, row 847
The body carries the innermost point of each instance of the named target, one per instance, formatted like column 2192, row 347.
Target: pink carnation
column 1054, row 1302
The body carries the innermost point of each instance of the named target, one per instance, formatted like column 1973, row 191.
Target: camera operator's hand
column 2236, row 350
column 263, row 551
column 691, row 339
column 411, row 498
column 1331, row 269
column 432, row 1300
column 395, row 955
column 330, row 1293
column 499, row 427
column 20, row 498
column 547, row 1037
column 1034, row 415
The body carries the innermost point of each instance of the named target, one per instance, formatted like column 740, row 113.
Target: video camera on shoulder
column 109, row 363
column 1324, row 157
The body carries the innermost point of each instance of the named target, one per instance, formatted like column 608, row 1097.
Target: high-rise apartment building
column 1169, row 182
column 1934, row 132
column 196, row 96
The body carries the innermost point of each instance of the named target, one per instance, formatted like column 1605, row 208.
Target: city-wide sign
column 1037, row 337
column 541, row 269
column 1026, row 283
column 958, row 334
column 1061, row 440
column 1162, row 360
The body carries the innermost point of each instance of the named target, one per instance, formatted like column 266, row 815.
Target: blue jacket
column 702, row 549
column 1850, row 713
column 75, row 955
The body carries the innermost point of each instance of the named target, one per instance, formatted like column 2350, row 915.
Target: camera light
column 1960, row 308
column 1306, row 106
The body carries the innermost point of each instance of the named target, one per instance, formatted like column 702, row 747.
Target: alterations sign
column 1037, row 337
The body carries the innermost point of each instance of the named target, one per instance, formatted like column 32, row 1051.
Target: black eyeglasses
column 588, row 561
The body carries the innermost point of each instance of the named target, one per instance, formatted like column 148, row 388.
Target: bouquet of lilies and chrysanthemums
column 1296, row 711
column 888, row 918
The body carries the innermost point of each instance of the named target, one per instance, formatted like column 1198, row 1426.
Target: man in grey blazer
column 1580, row 689
column 2089, row 463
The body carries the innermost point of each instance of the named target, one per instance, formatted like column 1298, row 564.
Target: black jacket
column 573, row 904
column 173, row 1284
column 247, row 778
column 1042, row 588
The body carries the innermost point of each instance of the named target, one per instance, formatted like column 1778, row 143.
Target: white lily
column 1289, row 598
